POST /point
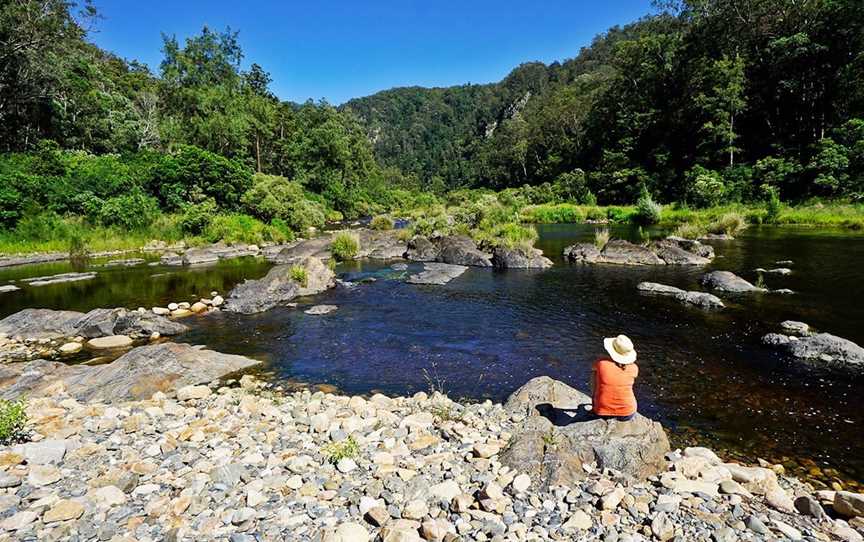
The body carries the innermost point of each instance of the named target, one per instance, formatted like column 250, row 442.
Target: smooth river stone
column 111, row 341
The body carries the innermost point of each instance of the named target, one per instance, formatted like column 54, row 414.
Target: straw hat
column 621, row 349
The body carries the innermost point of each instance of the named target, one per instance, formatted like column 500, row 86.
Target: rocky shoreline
column 250, row 462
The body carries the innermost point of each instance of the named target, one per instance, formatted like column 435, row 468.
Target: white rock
column 521, row 483
column 349, row 532
column 161, row 311
column 111, row 341
column 187, row 393
column 70, row 348
column 109, row 496
column 346, row 465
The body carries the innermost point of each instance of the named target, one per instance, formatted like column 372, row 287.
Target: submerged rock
column 820, row 348
column 519, row 258
column 59, row 279
column 278, row 287
column 138, row 374
column 437, row 273
column 559, row 436
column 321, row 309
column 51, row 324
column 700, row 299
column 726, row 281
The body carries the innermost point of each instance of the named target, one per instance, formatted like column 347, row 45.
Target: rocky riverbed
column 249, row 462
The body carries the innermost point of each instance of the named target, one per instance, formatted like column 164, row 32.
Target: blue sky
column 343, row 49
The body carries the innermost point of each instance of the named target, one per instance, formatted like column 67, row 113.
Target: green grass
column 50, row 233
column 561, row 213
column 298, row 275
column 345, row 246
column 381, row 222
column 13, row 421
column 336, row 451
column 601, row 237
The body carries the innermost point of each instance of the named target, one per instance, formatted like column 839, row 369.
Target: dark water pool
column 705, row 375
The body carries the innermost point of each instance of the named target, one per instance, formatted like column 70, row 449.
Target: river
column 705, row 375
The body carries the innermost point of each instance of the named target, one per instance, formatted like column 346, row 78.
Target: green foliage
column 381, row 222
column 773, row 206
column 617, row 214
column 561, row 213
column 705, row 187
column 344, row 449
column 509, row 235
column 647, row 210
column 272, row 197
column 197, row 217
column 131, row 211
column 240, row 228
column 192, row 174
column 345, row 246
column 298, row 275
column 730, row 223
column 13, row 421
column 601, row 237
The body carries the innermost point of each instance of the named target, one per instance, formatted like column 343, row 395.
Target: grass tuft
column 345, row 246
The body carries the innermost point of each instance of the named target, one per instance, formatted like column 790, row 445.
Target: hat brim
column 623, row 359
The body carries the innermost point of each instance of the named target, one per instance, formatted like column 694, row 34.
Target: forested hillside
column 709, row 101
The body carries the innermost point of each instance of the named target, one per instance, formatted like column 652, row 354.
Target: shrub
column 601, row 237
column 513, row 235
column 345, row 449
column 13, row 421
column 617, row 214
column 730, row 224
column 690, row 230
column 197, row 217
column 572, row 186
column 345, row 246
column 595, row 213
column 334, row 216
column 381, row 222
column 272, row 196
column 773, row 206
column 132, row 211
column 647, row 210
column 239, row 228
column 42, row 227
column 705, row 187
column 298, row 274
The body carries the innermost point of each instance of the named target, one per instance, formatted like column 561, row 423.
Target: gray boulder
column 200, row 256
column 437, row 273
column 694, row 246
column 726, row 281
column 298, row 251
column 618, row 251
column 795, row 328
column 582, row 252
column 519, row 258
column 51, row 324
column 421, row 249
column 277, row 287
column 136, row 375
column 381, row 245
column 699, row 299
column 674, row 254
column 171, row 258
column 558, row 436
column 821, row 349
column 461, row 250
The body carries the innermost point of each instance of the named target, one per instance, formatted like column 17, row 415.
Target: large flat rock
column 138, row 374
column 666, row 252
column 559, row 435
column 727, row 281
column 51, row 324
column 437, row 273
column 820, row 349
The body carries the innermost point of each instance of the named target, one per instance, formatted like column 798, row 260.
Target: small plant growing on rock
column 13, row 421
column 336, row 451
column 381, row 222
column 345, row 246
column 298, row 275
column 690, row 230
column 601, row 237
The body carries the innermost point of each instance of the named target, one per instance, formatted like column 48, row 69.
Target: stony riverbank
column 249, row 462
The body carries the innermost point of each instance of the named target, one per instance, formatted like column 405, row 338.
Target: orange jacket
column 613, row 388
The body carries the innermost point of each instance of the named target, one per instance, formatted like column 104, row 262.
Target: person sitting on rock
column 613, row 381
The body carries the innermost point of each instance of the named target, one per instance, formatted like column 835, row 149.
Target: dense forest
column 705, row 102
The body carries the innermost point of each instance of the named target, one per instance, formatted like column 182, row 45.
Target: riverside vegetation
column 203, row 151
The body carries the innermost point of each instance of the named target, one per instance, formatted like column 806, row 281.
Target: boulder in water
column 559, row 435
column 674, row 254
column 700, row 299
column 820, row 349
column 136, row 375
column 622, row 252
column 726, row 281
column 582, row 252
column 519, row 258
column 421, row 249
column 278, row 287
column 461, row 250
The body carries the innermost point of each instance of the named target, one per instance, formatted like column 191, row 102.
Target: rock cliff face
column 558, row 436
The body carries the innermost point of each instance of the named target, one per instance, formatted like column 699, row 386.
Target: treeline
column 710, row 101
column 87, row 134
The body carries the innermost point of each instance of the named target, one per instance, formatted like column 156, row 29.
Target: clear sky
column 341, row 49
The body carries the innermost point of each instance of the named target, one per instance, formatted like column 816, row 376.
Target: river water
column 705, row 375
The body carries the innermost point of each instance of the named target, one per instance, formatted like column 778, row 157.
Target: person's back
column 613, row 388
